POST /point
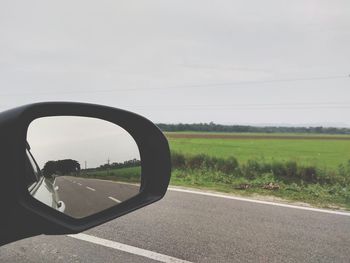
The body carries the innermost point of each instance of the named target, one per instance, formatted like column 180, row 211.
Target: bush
column 291, row 169
column 308, row 174
column 288, row 172
column 253, row 169
column 227, row 166
column 279, row 170
column 178, row 160
column 196, row 161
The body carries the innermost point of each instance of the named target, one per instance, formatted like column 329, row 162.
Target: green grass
column 330, row 187
column 314, row 194
column 326, row 196
column 130, row 174
column 320, row 153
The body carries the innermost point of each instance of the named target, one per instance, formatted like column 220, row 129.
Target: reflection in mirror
column 81, row 166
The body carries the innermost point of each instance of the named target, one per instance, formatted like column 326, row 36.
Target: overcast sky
column 87, row 140
column 256, row 62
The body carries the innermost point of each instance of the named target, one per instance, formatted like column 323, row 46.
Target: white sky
column 182, row 61
column 81, row 139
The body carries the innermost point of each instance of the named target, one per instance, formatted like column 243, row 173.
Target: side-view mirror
column 67, row 167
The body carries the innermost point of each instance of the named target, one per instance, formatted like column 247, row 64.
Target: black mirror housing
column 23, row 216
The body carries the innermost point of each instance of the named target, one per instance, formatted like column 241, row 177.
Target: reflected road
column 84, row 197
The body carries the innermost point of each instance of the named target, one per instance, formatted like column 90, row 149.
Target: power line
column 248, row 106
column 258, row 106
column 182, row 108
column 239, row 109
column 237, row 84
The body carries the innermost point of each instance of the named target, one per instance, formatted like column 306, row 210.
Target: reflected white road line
column 92, row 189
column 129, row 249
column 115, row 200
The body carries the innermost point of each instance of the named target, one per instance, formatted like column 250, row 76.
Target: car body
column 40, row 187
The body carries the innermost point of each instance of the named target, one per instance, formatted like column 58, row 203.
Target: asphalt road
column 83, row 197
column 200, row 228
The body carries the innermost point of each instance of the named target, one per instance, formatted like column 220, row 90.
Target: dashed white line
column 80, row 184
column 92, row 189
column 113, row 199
column 259, row 201
column 129, row 249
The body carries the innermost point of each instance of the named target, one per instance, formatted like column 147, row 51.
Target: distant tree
column 61, row 167
column 49, row 168
column 212, row 127
column 125, row 164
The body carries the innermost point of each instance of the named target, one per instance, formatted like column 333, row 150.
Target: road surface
column 83, row 197
column 197, row 228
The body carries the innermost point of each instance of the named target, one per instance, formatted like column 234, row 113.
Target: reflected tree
column 61, row 167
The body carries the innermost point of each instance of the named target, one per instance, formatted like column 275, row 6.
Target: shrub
column 250, row 169
column 196, row 161
column 178, row 160
column 279, row 170
column 227, row 166
column 209, row 162
column 228, row 170
column 291, row 169
column 308, row 174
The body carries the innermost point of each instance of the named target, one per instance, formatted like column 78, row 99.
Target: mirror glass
column 81, row 166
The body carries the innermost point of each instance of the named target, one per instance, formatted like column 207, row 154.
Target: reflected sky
column 83, row 139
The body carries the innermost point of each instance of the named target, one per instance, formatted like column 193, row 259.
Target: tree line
column 68, row 166
column 60, row 167
column 213, row 127
column 125, row 164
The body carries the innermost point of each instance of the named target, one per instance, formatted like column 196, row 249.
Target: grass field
column 308, row 168
column 326, row 151
column 130, row 174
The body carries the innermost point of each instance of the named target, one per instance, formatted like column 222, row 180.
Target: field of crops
column 301, row 167
column 324, row 151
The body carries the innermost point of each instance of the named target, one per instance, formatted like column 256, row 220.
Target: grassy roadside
column 127, row 175
column 315, row 195
column 287, row 181
column 284, row 179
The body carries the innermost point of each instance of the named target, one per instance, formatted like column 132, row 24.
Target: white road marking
column 92, row 189
column 110, row 181
column 80, row 184
column 259, row 201
column 115, row 200
column 129, row 249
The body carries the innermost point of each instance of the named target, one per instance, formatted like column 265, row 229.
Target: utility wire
column 337, row 103
column 184, row 108
column 237, row 84
column 248, row 106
